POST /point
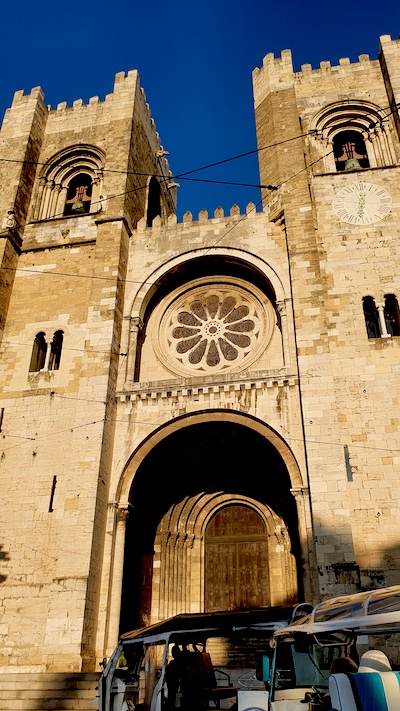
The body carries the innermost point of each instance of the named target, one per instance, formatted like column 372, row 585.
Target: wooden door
column 236, row 560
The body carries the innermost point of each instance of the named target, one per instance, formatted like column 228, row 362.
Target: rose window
column 212, row 329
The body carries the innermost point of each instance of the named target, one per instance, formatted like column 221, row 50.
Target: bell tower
column 330, row 144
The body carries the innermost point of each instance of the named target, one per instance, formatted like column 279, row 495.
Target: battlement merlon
column 277, row 73
column 126, row 97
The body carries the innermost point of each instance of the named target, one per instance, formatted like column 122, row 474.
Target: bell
column 352, row 164
column 78, row 207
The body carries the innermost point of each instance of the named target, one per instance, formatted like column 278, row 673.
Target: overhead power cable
column 219, row 162
column 195, row 170
column 149, row 283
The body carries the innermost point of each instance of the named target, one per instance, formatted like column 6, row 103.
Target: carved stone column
column 281, row 306
column 301, row 495
column 45, row 208
column 54, row 200
column 61, row 199
column 382, row 322
column 48, row 353
column 122, row 514
column 136, row 326
column 39, row 198
column 97, row 181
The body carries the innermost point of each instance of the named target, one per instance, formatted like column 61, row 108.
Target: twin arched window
column 70, row 184
column 46, row 356
column 382, row 320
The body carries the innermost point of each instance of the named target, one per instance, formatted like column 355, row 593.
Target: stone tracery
column 214, row 328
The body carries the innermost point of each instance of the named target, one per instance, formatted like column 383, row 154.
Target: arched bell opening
column 79, row 195
column 210, row 477
column 350, row 146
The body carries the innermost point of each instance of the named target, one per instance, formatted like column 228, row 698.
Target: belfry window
column 153, row 201
column 79, row 195
column 371, row 316
column 46, row 354
column 71, row 183
column 39, row 351
column 392, row 315
column 55, row 350
column 350, row 146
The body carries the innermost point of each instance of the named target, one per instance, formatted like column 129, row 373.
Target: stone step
column 49, row 676
column 51, row 685
column 48, row 691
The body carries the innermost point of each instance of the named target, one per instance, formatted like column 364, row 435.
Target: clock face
column 362, row 203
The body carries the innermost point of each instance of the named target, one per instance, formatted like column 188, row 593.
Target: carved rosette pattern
column 213, row 329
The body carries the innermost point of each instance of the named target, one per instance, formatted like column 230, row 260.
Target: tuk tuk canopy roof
column 261, row 618
column 360, row 612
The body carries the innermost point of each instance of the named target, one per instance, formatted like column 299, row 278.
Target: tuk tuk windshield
column 303, row 664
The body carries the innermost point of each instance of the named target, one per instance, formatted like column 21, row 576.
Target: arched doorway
column 236, row 571
column 177, row 499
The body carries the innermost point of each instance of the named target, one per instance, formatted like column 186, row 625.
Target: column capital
column 122, row 513
column 281, row 306
column 136, row 324
column 299, row 491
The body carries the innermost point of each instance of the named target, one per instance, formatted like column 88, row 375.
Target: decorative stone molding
column 213, row 327
column 168, row 389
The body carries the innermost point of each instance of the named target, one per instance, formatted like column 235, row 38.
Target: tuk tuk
column 365, row 628
column 195, row 662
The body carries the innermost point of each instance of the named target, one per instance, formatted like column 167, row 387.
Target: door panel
column 236, row 560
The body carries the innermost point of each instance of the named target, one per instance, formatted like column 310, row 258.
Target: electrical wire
column 170, row 425
column 133, row 281
column 195, row 170
column 220, row 162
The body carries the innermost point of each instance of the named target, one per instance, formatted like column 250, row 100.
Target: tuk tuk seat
column 372, row 691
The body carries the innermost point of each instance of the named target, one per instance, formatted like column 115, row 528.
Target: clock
column 362, row 203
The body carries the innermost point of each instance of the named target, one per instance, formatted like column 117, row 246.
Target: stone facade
column 155, row 373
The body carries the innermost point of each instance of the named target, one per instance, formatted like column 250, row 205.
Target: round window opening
column 214, row 328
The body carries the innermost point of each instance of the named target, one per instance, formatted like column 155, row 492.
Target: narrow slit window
column 55, row 352
column 39, row 351
column 153, row 201
column 371, row 317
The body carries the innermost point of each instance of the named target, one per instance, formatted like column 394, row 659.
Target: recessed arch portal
column 182, row 483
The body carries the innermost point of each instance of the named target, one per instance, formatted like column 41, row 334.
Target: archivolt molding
column 272, row 274
column 362, row 116
column 126, row 477
column 213, row 326
column 179, row 554
column 270, row 270
column 191, row 516
column 56, row 175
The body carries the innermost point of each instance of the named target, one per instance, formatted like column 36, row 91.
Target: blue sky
column 195, row 62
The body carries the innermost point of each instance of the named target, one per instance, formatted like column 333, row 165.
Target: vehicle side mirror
column 103, row 663
column 263, row 668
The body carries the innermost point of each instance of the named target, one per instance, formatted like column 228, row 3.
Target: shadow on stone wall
column 3, row 556
column 343, row 576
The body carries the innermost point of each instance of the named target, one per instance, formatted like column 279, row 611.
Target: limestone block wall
column 68, row 274
column 159, row 401
column 55, row 424
column 357, row 262
column 348, row 387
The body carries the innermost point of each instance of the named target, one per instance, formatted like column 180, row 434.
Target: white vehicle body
column 343, row 626
column 138, row 674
